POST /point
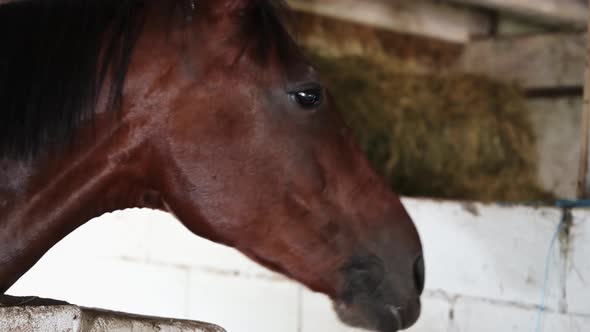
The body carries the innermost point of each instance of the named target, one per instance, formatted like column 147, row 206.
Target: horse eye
column 308, row 98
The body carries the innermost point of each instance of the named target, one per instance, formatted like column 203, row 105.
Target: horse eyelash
column 190, row 10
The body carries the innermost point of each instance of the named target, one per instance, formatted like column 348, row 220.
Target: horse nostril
column 364, row 274
column 419, row 273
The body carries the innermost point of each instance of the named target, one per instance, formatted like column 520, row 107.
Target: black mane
column 52, row 69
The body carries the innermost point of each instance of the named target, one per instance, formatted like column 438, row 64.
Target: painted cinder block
column 126, row 286
column 555, row 322
column 318, row 315
column 435, row 316
column 578, row 268
column 155, row 236
column 146, row 262
column 113, row 235
column 471, row 315
column 489, row 251
column 172, row 243
column 240, row 303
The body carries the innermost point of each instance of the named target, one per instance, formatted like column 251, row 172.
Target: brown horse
column 205, row 109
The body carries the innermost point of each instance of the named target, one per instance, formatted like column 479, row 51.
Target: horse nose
column 419, row 273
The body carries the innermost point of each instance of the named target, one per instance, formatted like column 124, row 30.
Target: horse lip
column 398, row 317
column 393, row 313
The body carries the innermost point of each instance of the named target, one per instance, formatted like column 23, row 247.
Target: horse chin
column 377, row 317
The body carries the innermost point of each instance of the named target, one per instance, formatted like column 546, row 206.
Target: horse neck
column 44, row 200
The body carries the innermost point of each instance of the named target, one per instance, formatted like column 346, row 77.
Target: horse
column 207, row 110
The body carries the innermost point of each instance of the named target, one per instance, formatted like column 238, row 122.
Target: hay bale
column 448, row 136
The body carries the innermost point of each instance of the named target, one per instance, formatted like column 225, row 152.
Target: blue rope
column 565, row 205
column 546, row 277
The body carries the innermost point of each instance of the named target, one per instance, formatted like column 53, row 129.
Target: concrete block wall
column 485, row 272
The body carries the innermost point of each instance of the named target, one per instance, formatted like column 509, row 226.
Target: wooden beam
column 419, row 17
column 540, row 62
column 569, row 12
column 583, row 176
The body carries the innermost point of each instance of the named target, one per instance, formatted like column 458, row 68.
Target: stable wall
column 485, row 272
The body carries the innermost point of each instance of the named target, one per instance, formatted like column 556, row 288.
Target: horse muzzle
column 377, row 298
column 378, row 316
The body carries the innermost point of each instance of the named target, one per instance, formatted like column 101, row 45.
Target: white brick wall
column 485, row 268
column 487, row 251
column 246, row 302
column 578, row 277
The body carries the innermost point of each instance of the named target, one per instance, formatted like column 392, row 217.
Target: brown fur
column 209, row 133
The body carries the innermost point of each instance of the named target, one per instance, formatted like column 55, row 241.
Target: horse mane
column 57, row 54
